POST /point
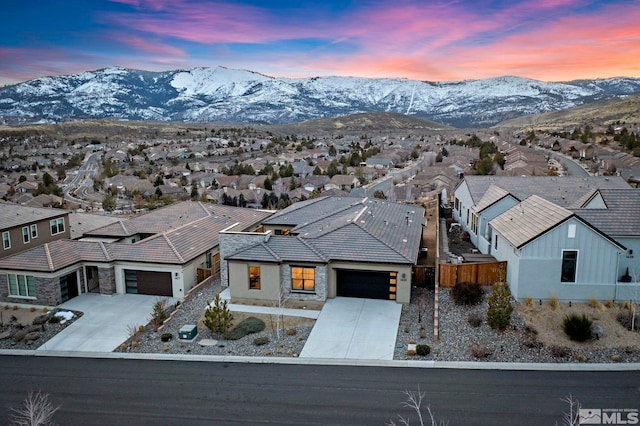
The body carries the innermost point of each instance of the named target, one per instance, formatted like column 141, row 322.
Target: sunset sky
column 551, row 40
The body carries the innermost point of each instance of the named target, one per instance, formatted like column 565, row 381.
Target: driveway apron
column 105, row 323
column 350, row 328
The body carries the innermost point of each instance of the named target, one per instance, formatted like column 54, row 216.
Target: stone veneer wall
column 320, row 283
column 230, row 243
column 107, row 280
column 47, row 292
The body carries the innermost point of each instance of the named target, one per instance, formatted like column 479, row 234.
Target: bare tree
column 280, row 305
column 572, row 417
column 36, row 410
column 414, row 401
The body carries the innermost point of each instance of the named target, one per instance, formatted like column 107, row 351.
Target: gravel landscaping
column 23, row 328
column 191, row 311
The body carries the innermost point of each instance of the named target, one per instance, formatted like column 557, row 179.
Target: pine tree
column 500, row 307
column 217, row 318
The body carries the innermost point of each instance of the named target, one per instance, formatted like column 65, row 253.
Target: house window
column 303, row 279
column 6, row 240
column 254, row 277
column 569, row 266
column 21, row 285
column 572, row 231
column 474, row 223
column 456, row 204
column 34, row 231
column 495, row 244
column 26, row 236
column 57, row 226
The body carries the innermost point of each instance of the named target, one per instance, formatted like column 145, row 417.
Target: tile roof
column 347, row 229
column 529, row 219
column 621, row 218
column 82, row 223
column 493, row 194
column 12, row 215
column 179, row 245
column 563, row 191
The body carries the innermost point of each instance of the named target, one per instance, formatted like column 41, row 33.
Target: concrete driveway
column 350, row 328
column 103, row 327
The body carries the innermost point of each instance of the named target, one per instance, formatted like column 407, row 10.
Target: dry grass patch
column 547, row 320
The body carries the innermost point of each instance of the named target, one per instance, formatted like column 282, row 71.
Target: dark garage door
column 148, row 282
column 366, row 284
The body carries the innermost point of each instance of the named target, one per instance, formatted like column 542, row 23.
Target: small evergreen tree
column 217, row 318
column 500, row 307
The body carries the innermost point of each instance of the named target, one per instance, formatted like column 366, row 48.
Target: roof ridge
column 204, row 208
column 173, row 248
column 271, row 252
column 49, row 259
column 312, row 248
column 105, row 251
column 384, row 242
column 124, row 228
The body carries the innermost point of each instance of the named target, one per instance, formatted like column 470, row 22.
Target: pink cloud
column 148, row 46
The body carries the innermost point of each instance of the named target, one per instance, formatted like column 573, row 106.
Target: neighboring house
column 323, row 248
column 24, row 228
column 158, row 253
column 342, row 182
column 26, row 187
column 570, row 238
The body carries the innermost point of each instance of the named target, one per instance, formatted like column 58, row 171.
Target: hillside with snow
column 226, row 95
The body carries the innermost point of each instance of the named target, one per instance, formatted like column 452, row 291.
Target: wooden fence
column 485, row 273
column 204, row 273
column 424, row 276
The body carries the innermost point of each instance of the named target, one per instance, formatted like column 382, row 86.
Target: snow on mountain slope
column 222, row 94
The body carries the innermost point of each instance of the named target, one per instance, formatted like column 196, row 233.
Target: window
column 456, row 204
column 57, row 226
column 495, row 245
column 572, row 231
column 303, row 279
column 474, row 223
column 569, row 266
column 254, row 277
column 34, row 231
column 6, row 240
column 26, row 236
column 22, row 285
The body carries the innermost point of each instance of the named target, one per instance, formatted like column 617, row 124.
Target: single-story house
column 570, row 238
column 323, row 248
column 158, row 253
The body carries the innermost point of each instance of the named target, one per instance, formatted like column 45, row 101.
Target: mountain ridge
column 205, row 94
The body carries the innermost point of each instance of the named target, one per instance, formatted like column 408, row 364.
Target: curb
column 453, row 365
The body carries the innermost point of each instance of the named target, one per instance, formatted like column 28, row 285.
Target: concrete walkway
column 356, row 329
column 104, row 324
column 237, row 307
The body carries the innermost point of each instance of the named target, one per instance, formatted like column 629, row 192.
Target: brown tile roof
column 12, row 215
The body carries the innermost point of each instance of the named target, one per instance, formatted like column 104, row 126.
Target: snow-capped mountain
column 222, row 94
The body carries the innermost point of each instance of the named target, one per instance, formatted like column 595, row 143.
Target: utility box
column 188, row 332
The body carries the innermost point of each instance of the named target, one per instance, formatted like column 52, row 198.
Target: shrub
column 625, row 319
column 141, row 329
column 529, row 302
column 248, row 326
column 559, row 351
column 467, row 294
column 40, row 319
column 553, row 302
column 54, row 319
column 609, row 304
column 577, row 327
column 217, row 318
column 291, row 332
column 479, row 351
column 474, row 319
column 423, row 350
column 411, row 352
column 262, row 340
column 422, row 334
column 165, row 337
column 159, row 313
column 500, row 307
column 32, row 309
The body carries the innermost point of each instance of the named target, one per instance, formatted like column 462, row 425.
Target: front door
column 68, row 286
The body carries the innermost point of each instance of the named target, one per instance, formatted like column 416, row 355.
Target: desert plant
column 132, row 331
column 467, row 294
column 577, row 327
column 217, row 318
column 36, row 410
column 609, row 304
column 262, row 340
column 140, row 328
column 500, row 307
column 528, row 302
column 165, row 337
column 32, row 309
column 291, row 332
column 474, row 319
column 159, row 313
column 248, row 326
column 479, row 350
column 422, row 334
column 558, row 351
column 553, row 302
column 54, row 319
column 411, row 352
column 423, row 350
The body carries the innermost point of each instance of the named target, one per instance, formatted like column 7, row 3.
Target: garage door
column 148, row 282
column 366, row 284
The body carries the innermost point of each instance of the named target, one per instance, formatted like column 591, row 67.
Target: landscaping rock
column 6, row 335
column 34, row 335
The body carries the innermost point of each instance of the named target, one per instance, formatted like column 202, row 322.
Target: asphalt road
column 142, row 392
column 572, row 168
column 82, row 183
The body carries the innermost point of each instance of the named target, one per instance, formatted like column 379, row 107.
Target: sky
column 549, row 40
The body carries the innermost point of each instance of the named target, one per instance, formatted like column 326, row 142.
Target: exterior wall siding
column 44, row 236
column 107, row 280
column 239, row 282
column 231, row 242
